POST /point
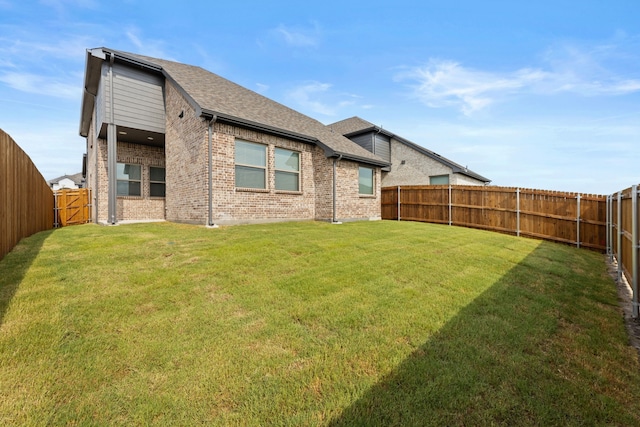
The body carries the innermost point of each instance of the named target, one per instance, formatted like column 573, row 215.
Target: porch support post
column 112, row 154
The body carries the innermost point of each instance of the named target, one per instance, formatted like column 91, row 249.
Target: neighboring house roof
column 77, row 179
column 214, row 96
column 356, row 126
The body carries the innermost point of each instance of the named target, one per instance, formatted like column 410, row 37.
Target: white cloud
column 262, row 88
column 298, row 37
column 567, row 69
column 307, row 96
column 61, row 5
column 153, row 48
column 18, row 50
column 320, row 98
column 37, row 84
column 444, row 83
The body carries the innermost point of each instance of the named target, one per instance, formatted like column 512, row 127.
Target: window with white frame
column 287, row 171
column 365, row 180
column 251, row 165
column 129, row 180
column 157, row 181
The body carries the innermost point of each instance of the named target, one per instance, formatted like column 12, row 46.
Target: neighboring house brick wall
column 460, row 179
column 416, row 170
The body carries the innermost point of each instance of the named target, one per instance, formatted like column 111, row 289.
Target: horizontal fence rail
column 27, row 204
column 572, row 218
column 623, row 242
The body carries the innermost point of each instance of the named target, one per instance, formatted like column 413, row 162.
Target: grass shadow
column 15, row 265
column 528, row 351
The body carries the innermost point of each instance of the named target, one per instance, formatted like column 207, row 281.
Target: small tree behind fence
column 26, row 201
column 573, row 218
column 623, row 240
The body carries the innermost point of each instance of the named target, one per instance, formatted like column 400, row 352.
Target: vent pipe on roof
column 212, row 120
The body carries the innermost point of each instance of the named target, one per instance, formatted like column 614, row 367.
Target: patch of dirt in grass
column 625, row 298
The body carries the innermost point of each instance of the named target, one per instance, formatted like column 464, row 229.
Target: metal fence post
column 398, row 203
column 578, row 222
column 607, row 229
column 619, row 245
column 611, row 227
column 55, row 209
column 634, row 250
column 450, row 217
column 518, row 211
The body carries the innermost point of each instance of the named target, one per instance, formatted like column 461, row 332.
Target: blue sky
column 538, row 94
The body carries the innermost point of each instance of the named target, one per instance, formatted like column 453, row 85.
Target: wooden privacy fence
column 26, row 201
column 72, row 207
column 623, row 241
column 573, row 218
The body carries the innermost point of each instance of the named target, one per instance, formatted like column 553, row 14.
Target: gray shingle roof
column 352, row 125
column 77, row 178
column 356, row 125
column 215, row 95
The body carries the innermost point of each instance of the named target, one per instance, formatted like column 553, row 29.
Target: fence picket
column 551, row 215
column 27, row 203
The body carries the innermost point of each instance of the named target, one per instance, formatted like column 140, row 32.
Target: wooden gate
column 72, row 206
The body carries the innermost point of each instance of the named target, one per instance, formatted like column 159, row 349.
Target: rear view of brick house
column 170, row 141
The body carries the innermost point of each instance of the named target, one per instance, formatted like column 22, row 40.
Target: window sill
column 251, row 190
column 367, row 196
column 130, row 197
column 293, row 193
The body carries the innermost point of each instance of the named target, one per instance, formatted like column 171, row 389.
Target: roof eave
column 329, row 152
column 94, row 60
column 93, row 64
column 232, row 120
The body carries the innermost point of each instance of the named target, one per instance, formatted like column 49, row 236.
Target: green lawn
column 369, row 323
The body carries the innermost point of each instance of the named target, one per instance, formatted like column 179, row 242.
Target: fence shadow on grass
column 498, row 362
column 15, row 265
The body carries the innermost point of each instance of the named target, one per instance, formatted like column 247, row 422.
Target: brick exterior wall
column 418, row 168
column 350, row 205
column 128, row 208
column 185, row 159
column 187, row 176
